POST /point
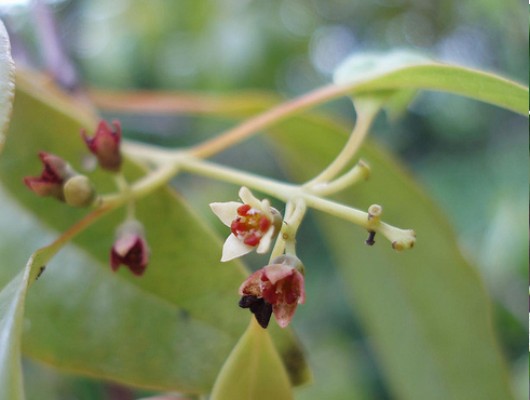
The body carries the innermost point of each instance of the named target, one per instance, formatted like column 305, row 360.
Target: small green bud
column 79, row 191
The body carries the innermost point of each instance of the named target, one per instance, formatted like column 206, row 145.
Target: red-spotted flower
column 130, row 248
column 55, row 173
column 253, row 223
column 105, row 145
column 276, row 288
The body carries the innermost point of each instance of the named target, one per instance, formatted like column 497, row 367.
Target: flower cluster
column 59, row 180
column 276, row 288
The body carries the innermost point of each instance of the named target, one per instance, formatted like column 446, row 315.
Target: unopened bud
column 375, row 211
column 79, row 191
column 50, row 183
column 405, row 241
column 105, row 145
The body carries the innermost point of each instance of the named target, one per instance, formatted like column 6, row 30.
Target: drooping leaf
column 254, row 370
column 426, row 310
column 7, row 82
column 404, row 70
column 170, row 329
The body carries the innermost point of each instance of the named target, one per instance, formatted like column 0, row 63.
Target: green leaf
column 426, row 310
column 407, row 70
column 172, row 328
column 12, row 300
column 254, row 370
column 11, row 318
column 7, row 83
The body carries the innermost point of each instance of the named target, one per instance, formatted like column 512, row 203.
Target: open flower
column 277, row 288
column 254, row 223
column 50, row 183
column 105, row 145
column 130, row 248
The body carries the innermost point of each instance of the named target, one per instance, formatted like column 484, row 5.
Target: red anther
column 252, row 240
column 264, row 224
column 244, row 209
column 238, row 227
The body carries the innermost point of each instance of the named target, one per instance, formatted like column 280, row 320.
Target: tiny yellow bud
column 375, row 211
column 405, row 241
column 78, row 191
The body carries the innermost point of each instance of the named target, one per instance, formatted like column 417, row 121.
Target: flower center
column 250, row 225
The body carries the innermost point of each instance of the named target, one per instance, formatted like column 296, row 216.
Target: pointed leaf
column 253, row 370
column 426, row 310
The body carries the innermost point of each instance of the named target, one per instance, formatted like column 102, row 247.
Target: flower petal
column 266, row 209
column 276, row 272
column 251, row 286
column 265, row 241
column 234, row 248
column 124, row 244
column 248, row 198
column 283, row 313
column 226, row 212
column 298, row 280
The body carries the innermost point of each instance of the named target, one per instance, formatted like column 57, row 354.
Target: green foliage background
column 470, row 157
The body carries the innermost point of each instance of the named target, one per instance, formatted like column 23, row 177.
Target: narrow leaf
column 407, row 70
column 253, row 370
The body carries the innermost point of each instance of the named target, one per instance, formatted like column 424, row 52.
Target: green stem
column 282, row 191
column 292, row 223
column 287, row 192
column 367, row 109
column 284, row 235
column 359, row 172
column 125, row 188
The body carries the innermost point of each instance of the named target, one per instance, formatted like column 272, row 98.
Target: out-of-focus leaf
column 425, row 310
column 407, row 70
column 253, row 371
column 7, row 83
column 12, row 300
column 170, row 329
column 11, row 317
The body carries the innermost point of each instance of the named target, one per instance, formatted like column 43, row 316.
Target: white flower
column 253, row 223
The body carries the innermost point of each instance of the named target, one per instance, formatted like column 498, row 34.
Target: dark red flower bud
column 130, row 248
column 50, row 183
column 105, row 145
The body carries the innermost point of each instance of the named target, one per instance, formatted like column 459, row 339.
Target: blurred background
column 458, row 149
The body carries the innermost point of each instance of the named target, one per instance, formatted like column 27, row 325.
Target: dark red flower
column 50, row 183
column 105, row 145
column 130, row 248
column 279, row 285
